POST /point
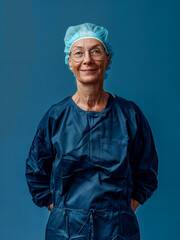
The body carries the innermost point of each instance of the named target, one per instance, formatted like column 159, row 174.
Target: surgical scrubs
column 89, row 165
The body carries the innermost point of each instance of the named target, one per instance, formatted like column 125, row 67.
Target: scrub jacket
column 89, row 165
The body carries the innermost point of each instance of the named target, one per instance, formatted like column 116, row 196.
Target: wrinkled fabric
column 89, row 165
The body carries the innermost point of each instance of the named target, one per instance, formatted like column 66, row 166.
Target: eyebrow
column 90, row 48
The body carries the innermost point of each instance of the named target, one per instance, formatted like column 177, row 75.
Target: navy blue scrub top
column 110, row 99
column 89, row 165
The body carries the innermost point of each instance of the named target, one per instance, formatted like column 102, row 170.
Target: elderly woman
column 93, row 159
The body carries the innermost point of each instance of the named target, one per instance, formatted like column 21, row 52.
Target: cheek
column 103, row 67
column 75, row 68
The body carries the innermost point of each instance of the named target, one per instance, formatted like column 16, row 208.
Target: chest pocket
column 114, row 155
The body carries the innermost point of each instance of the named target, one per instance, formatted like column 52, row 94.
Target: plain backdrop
column 145, row 36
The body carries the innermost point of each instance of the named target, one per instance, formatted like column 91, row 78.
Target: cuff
column 49, row 201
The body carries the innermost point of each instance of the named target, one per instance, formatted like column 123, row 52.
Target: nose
column 87, row 57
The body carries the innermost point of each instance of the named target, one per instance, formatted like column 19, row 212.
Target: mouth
column 88, row 70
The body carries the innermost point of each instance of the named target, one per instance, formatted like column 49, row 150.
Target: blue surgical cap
column 86, row 30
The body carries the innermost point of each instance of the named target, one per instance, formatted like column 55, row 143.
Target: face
column 89, row 70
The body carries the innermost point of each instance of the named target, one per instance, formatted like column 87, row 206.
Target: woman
column 93, row 159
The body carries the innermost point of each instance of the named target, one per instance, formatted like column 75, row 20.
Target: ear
column 108, row 61
column 70, row 63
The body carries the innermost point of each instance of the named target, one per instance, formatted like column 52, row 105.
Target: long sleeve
column 143, row 160
column 39, row 164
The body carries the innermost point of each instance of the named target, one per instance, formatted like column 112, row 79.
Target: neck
column 90, row 97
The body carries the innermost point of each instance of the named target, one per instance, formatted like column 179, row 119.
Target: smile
column 88, row 70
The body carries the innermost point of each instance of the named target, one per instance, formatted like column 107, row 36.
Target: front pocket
column 67, row 224
column 113, row 154
column 129, row 225
column 56, row 226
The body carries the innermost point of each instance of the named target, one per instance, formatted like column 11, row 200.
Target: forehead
column 86, row 43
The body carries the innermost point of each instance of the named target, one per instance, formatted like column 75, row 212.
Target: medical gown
column 89, row 165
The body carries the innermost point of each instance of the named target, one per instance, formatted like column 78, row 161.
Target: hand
column 134, row 204
column 50, row 207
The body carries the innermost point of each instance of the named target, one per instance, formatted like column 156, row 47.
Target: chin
column 89, row 79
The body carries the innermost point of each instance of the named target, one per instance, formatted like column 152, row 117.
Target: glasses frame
column 104, row 52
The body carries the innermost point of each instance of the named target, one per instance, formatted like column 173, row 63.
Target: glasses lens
column 97, row 53
column 78, row 55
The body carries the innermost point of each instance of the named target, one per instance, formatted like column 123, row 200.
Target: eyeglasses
column 77, row 55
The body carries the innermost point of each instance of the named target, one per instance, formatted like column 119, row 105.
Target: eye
column 77, row 53
column 96, row 51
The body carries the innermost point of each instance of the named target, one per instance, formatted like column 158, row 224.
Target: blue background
column 145, row 36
